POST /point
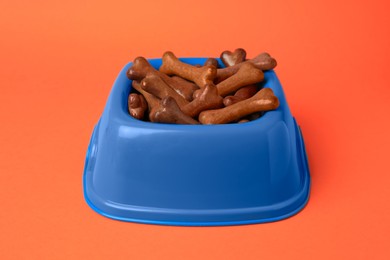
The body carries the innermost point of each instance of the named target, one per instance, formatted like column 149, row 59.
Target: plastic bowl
column 195, row 175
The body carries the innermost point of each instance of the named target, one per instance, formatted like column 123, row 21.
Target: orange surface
column 58, row 60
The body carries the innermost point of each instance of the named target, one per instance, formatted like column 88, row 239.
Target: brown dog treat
column 141, row 67
column 197, row 93
column 169, row 112
column 182, row 86
column 241, row 94
column 263, row 100
column 212, row 62
column 247, row 74
column 229, row 58
column 137, row 105
column 262, row 61
column 200, row 76
column 246, row 92
column 156, row 86
column 230, row 100
column 208, row 99
column 150, row 99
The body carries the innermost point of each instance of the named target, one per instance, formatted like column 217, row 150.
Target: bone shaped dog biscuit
column 229, row 58
column 137, row 105
column 246, row 75
column 155, row 85
column 141, row 67
column 263, row 61
column 169, row 112
column 150, row 99
column 200, row 76
column 241, row 94
column 262, row 101
column 207, row 99
column 212, row 62
column 182, row 86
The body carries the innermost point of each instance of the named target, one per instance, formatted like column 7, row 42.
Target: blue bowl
column 195, row 175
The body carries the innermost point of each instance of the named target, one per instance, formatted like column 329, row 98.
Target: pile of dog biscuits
column 180, row 93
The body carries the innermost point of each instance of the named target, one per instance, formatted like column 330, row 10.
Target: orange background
column 58, row 60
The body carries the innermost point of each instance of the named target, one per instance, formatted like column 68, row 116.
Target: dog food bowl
column 195, row 175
